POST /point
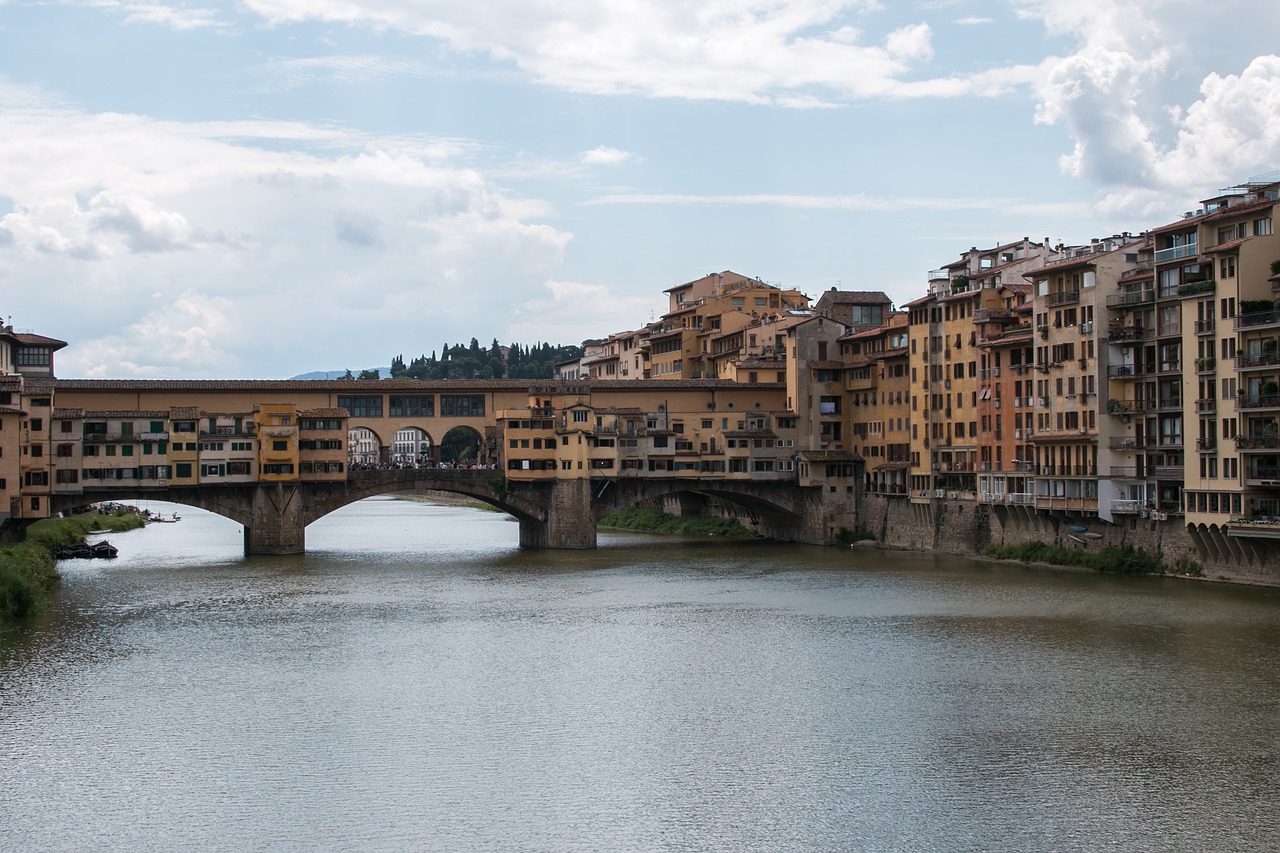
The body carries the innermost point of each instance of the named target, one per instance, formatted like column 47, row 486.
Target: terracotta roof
column 1183, row 223
column 184, row 412
column 123, row 413
column 324, row 413
column 750, row 433
column 620, row 410
column 1238, row 209
column 67, row 414
column 762, row 363
column 828, row 365
column 923, row 299
column 866, row 333
column 897, row 352
column 1227, row 247
column 855, row 297
column 11, row 410
column 1081, row 261
column 32, row 340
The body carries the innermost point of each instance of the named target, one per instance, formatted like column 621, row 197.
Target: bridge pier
column 277, row 524
column 569, row 523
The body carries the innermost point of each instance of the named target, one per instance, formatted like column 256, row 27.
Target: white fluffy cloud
column 786, row 52
column 1162, row 96
column 248, row 248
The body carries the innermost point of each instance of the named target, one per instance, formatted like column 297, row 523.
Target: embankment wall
column 964, row 527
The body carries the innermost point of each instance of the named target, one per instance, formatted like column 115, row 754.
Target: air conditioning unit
column 1045, row 470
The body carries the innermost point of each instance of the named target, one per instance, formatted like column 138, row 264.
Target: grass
column 27, row 572
column 652, row 520
column 1120, row 559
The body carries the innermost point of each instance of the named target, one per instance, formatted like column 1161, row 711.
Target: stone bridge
column 560, row 513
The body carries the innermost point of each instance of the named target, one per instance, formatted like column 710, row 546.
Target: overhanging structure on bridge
column 276, row 455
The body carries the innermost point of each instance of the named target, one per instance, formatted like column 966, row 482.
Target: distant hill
column 383, row 373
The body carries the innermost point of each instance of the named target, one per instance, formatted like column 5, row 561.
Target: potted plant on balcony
column 1114, row 407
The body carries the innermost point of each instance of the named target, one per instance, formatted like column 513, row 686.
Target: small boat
column 1076, row 539
column 1079, row 528
column 83, row 551
column 1093, row 536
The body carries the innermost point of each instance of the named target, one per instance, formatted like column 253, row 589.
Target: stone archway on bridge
column 462, row 445
column 412, row 446
column 364, row 448
column 773, row 512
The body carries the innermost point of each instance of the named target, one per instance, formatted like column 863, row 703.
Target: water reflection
column 418, row 682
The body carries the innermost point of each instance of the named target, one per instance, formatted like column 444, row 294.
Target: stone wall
column 963, row 527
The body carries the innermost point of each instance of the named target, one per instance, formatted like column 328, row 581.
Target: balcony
column 1168, row 472
column 1123, row 442
column 1020, row 498
column 1258, row 319
column 1135, row 297
column 1174, row 253
column 1206, row 406
column 1127, row 371
column 1261, row 526
column 1126, row 507
column 1261, row 401
column 1064, row 297
column 1257, row 360
column 1125, row 334
column 1206, row 445
column 1174, row 366
column 1204, row 286
column 1128, row 472
column 1206, row 365
column 1129, row 407
column 1254, row 443
column 993, row 315
column 1263, row 475
column 1206, row 327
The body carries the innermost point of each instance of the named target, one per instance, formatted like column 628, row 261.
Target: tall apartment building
column 945, row 354
column 1070, row 416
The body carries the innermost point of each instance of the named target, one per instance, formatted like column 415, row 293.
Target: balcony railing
column 1126, row 507
column 1206, row 445
column 1133, row 297
column 1128, row 472
column 1257, row 442
column 1206, row 365
column 1207, row 405
column 1174, row 253
column 1258, row 318
column 1168, row 472
column 1261, row 401
column 1264, row 359
column 1256, row 475
column 1123, row 442
column 1064, row 297
column 1121, row 334
column 1206, row 327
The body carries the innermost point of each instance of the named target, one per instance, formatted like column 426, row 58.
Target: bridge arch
column 462, row 444
column 771, row 512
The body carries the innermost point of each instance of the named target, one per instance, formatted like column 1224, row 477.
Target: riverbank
column 28, row 573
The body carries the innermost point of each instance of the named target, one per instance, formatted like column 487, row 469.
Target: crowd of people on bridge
column 419, row 465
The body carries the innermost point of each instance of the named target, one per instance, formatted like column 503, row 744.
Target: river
column 416, row 682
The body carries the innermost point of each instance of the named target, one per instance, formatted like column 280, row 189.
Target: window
column 279, row 445
column 362, row 407
column 461, row 406
column 579, row 416
column 412, row 407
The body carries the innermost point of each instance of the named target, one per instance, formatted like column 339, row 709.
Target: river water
column 416, row 682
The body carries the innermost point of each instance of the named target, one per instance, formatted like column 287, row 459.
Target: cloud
column 174, row 17
column 273, row 237
column 1148, row 99
column 795, row 53
column 603, row 155
column 290, row 74
column 973, row 22
column 859, row 202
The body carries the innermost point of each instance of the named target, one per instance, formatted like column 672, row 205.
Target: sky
column 268, row 187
